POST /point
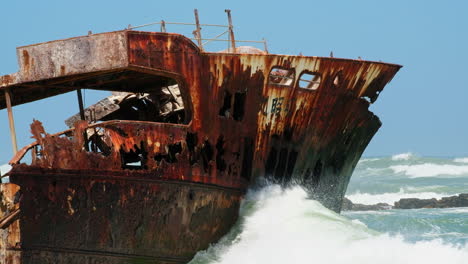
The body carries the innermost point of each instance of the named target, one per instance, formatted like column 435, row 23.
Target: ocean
column 279, row 225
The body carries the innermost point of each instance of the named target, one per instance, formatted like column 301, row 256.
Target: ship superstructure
column 156, row 171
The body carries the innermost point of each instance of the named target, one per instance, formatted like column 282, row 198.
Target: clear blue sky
column 423, row 110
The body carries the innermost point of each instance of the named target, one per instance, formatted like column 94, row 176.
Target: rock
column 460, row 200
column 413, row 203
column 347, row 205
column 350, row 206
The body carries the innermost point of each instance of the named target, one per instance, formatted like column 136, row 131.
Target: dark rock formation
column 350, row 206
column 460, row 200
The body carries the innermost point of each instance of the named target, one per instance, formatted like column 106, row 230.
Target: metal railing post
column 83, row 117
column 80, row 104
column 11, row 121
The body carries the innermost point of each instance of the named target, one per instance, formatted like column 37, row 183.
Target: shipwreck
column 155, row 171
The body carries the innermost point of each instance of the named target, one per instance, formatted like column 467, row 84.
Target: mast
column 231, row 31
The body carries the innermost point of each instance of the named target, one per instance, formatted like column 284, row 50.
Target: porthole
column 309, row 80
column 280, row 76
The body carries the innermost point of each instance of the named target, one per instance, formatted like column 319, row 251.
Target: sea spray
column 284, row 226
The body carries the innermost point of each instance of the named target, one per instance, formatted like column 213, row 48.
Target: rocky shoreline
column 460, row 200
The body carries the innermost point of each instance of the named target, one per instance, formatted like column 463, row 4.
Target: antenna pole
column 197, row 32
column 231, row 31
column 163, row 26
column 265, row 45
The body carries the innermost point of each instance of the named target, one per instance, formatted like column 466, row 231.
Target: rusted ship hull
column 89, row 217
column 119, row 191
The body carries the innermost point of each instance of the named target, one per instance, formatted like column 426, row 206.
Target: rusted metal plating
column 238, row 120
column 246, row 116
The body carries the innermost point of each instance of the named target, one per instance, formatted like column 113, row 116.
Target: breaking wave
column 431, row 170
column 403, row 156
column 279, row 226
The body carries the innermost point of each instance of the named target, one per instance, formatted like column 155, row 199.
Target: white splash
column 403, row 156
column 286, row 227
column 430, row 170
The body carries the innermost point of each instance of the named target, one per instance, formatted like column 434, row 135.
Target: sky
column 423, row 110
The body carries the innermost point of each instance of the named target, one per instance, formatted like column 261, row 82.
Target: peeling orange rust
column 159, row 188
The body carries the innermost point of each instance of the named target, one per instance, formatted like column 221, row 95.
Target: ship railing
column 202, row 42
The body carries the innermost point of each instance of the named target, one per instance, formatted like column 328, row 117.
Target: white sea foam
column 285, row 227
column 431, row 170
column 392, row 197
column 403, row 156
column 461, row 160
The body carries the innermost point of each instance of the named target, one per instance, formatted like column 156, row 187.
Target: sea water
column 279, row 225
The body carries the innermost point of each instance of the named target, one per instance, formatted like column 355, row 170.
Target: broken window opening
column 96, row 141
column 239, row 103
column 280, row 76
column 309, row 80
column 163, row 105
column 135, row 159
column 226, row 108
column 132, row 95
